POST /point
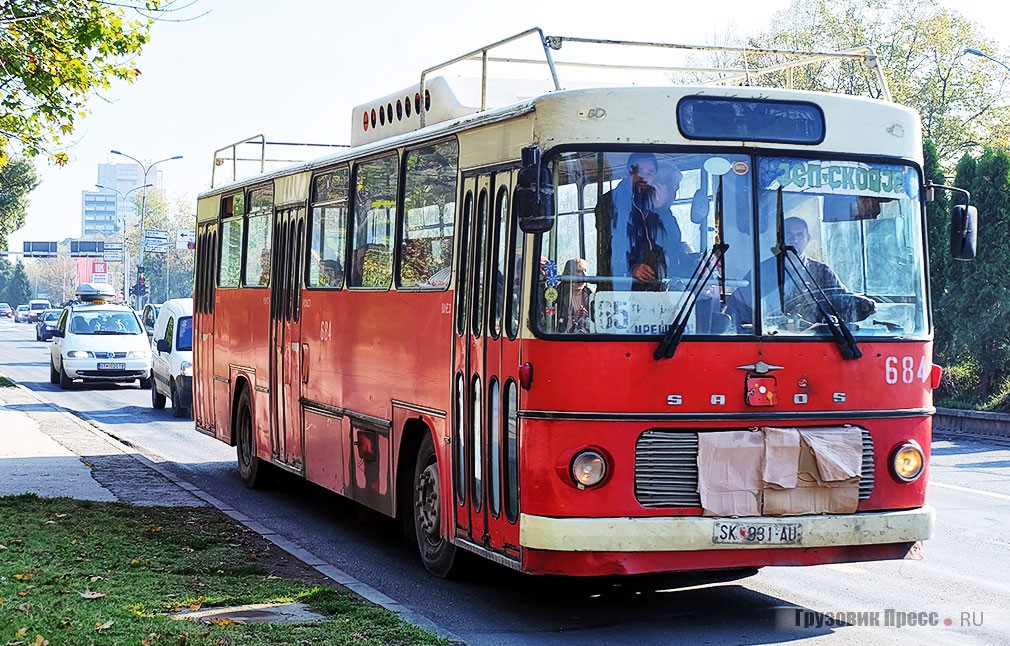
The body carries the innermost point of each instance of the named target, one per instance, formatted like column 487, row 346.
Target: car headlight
column 908, row 462
column 186, row 368
column 79, row 354
column 138, row 354
column 588, row 468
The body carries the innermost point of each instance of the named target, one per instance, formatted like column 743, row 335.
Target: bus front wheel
column 250, row 468
column 437, row 552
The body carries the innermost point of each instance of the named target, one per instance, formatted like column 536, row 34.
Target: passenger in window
column 634, row 225
column 574, row 298
column 332, row 274
column 264, row 267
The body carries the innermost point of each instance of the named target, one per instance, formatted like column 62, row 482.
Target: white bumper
column 695, row 533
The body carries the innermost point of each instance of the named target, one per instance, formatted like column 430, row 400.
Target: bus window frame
column 345, row 166
column 401, row 217
column 352, row 223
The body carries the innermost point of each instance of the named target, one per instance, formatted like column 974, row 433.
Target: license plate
column 112, row 366
column 757, row 533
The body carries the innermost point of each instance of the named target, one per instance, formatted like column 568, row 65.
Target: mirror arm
column 930, row 186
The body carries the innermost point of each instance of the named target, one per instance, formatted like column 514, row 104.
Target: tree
column 18, row 291
column 919, row 44
column 17, row 180
column 55, row 55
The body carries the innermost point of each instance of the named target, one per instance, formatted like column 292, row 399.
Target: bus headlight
column 186, row 369
column 908, row 462
column 588, row 468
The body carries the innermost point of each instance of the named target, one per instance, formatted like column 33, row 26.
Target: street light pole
column 980, row 53
column 123, row 196
column 143, row 211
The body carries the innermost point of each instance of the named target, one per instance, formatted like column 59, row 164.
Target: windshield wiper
column 787, row 253
column 696, row 284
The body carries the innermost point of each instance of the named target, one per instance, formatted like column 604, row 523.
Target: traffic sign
column 157, row 246
column 156, row 234
column 112, row 256
column 185, row 239
column 40, row 249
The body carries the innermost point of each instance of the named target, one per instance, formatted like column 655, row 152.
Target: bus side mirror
column 534, row 194
column 963, row 232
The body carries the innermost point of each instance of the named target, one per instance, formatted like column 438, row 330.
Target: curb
column 332, row 572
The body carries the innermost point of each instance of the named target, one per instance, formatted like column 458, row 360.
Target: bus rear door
column 285, row 338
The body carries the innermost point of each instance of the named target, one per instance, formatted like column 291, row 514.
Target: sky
column 294, row 70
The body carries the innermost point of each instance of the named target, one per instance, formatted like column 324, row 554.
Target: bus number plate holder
column 744, row 533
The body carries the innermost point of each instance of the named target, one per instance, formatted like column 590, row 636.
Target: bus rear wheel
column 437, row 552
column 250, row 468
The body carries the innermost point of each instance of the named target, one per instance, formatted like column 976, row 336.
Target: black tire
column 437, row 552
column 54, row 375
column 157, row 399
column 66, row 383
column 251, row 469
column 146, row 382
column 178, row 410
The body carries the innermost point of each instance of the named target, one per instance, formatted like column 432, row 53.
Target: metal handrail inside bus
column 865, row 54
column 259, row 140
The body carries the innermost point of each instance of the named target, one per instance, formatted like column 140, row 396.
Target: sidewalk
column 49, row 452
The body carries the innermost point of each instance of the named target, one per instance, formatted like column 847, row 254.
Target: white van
column 172, row 346
column 36, row 307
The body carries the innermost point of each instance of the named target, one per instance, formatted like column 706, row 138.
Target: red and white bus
column 589, row 332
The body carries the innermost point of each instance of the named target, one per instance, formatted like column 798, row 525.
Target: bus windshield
column 644, row 240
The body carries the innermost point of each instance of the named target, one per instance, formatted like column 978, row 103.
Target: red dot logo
column 948, row 622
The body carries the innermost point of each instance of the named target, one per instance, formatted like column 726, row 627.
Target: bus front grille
column 666, row 468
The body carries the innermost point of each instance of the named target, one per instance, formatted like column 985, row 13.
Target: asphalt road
column 961, row 578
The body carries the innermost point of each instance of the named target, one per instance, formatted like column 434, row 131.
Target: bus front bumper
column 697, row 533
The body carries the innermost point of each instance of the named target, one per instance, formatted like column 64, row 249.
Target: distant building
column 103, row 210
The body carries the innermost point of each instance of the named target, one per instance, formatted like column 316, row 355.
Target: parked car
column 46, row 324
column 172, row 361
column 21, row 314
column 96, row 340
column 148, row 317
column 36, row 307
column 6, row 310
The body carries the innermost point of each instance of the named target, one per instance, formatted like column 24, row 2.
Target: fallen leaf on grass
column 92, row 579
column 107, row 624
column 21, row 633
column 40, row 641
column 150, row 639
column 23, row 576
column 153, row 530
column 22, row 594
column 62, row 515
column 225, row 621
column 91, row 594
column 25, row 607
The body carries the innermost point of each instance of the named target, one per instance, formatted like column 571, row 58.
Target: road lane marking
column 991, row 494
column 845, row 569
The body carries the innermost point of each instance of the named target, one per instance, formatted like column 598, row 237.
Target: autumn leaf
column 40, row 641
column 226, row 621
column 21, row 633
column 106, row 625
column 23, row 576
column 92, row 579
column 153, row 530
column 91, row 594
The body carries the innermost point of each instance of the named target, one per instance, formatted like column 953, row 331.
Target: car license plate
column 746, row 533
column 112, row 366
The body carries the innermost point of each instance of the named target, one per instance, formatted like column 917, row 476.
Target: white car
column 172, row 365
column 99, row 342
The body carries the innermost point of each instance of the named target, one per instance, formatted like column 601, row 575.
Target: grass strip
column 81, row 572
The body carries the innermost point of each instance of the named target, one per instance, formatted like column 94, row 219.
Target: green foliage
column 17, row 291
column 919, row 44
column 55, row 56
column 973, row 292
column 17, row 180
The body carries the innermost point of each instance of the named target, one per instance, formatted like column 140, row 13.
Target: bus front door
column 285, row 339
column 485, row 359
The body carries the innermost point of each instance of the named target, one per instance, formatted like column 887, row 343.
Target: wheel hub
column 426, row 500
